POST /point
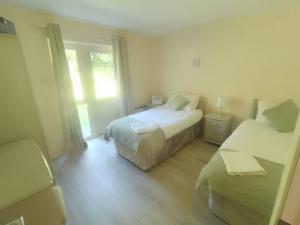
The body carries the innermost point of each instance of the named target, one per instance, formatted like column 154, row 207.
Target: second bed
column 247, row 200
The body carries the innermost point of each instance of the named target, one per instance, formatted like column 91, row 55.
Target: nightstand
column 217, row 127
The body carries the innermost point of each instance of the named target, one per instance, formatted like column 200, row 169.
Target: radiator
column 6, row 27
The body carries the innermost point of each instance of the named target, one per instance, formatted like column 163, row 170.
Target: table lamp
column 221, row 104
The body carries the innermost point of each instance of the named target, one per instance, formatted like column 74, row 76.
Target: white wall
column 142, row 59
column 242, row 59
column 19, row 115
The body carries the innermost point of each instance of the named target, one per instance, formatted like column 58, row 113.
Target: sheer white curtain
column 122, row 75
column 73, row 138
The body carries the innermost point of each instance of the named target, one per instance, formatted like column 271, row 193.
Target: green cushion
column 177, row 102
column 283, row 117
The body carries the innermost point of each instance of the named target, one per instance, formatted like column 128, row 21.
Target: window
column 103, row 74
column 75, row 76
column 84, row 120
column 78, row 93
column 92, row 73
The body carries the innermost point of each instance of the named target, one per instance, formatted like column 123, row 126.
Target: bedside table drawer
column 216, row 124
column 215, row 133
column 214, row 137
column 215, row 129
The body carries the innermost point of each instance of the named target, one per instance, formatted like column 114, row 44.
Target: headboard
column 254, row 109
column 201, row 104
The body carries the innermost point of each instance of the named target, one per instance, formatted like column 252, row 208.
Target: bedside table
column 217, row 127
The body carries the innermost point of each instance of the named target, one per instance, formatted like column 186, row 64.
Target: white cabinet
column 217, row 127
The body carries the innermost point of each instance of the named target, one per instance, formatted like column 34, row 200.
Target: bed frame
column 231, row 211
column 172, row 145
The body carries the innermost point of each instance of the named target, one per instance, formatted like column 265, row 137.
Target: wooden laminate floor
column 102, row 188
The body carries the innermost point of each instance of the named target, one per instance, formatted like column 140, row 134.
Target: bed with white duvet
column 149, row 137
column 170, row 121
column 245, row 200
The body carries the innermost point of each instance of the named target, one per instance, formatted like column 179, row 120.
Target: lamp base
column 220, row 112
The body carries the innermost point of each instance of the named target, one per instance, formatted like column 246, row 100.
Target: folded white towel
column 143, row 127
column 240, row 163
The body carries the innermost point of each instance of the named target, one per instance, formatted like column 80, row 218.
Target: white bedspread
column 141, row 127
column 260, row 140
column 170, row 121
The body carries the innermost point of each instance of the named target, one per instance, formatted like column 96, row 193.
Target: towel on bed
column 256, row 192
column 122, row 132
column 240, row 163
column 141, row 127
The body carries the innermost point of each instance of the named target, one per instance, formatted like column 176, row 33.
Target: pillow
column 284, row 116
column 177, row 102
column 193, row 101
column 261, row 107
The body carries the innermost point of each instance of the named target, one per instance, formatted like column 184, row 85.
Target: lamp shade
column 221, row 102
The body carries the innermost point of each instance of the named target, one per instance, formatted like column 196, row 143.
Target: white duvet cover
column 170, row 121
column 260, row 140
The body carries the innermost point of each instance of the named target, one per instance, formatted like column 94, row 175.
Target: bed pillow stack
column 262, row 106
column 193, row 101
column 282, row 117
column 177, row 102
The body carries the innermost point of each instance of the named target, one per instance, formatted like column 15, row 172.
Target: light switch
column 196, row 62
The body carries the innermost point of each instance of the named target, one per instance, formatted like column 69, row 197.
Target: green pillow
column 177, row 102
column 283, row 117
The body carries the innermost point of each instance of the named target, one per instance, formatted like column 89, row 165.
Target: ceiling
column 155, row 17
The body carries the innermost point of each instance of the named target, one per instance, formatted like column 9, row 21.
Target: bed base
column 233, row 212
column 143, row 158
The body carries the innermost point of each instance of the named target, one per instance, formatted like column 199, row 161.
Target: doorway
column 94, row 85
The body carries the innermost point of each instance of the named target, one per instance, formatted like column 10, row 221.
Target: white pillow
column 261, row 107
column 177, row 102
column 193, row 101
column 192, row 98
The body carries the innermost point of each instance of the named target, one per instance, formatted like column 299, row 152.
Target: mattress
column 260, row 140
column 170, row 121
